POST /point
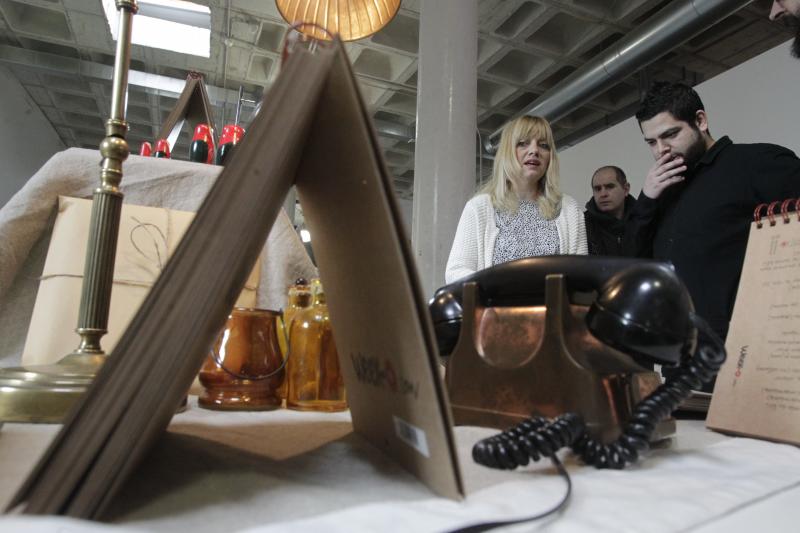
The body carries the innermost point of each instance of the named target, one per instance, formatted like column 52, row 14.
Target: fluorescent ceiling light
column 173, row 25
column 305, row 235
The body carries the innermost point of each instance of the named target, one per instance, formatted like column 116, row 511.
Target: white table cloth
column 291, row 471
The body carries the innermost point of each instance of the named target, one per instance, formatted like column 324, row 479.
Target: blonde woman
column 521, row 211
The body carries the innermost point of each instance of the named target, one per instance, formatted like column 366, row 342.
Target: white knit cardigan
column 473, row 246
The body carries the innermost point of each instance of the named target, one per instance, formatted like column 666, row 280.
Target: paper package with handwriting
column 147, row 238
column 757, row 392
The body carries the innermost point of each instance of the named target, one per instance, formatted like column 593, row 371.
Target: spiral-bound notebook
column 757, row 392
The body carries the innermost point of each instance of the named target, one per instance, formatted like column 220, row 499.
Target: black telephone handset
column 641, row 309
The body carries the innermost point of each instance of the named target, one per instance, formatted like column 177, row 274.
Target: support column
column 444, row 163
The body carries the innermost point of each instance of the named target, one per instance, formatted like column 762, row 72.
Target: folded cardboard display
column 313, row 131
column 192, row 105
column 757, row 393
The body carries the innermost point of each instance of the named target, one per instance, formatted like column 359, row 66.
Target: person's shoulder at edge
column 480, row 204
column 475, row 215
column 748, row 150
column 764, row 161
column 569, row 199
column 481, row 199
column 568, row 202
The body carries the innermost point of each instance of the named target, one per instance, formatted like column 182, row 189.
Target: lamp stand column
column 98, row 271
column 45, row 393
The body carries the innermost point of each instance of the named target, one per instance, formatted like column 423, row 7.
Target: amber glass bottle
column 314, row 378
column 298, row 298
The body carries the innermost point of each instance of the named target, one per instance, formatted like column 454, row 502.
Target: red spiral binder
column 769, row 211
column 785, row 209
column 757, row 215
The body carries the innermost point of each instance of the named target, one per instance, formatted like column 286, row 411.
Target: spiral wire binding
column 785, row 209
column 757, row 215
column 538, row 437
column 771, row 212
column 289, row 41
column 769, row 209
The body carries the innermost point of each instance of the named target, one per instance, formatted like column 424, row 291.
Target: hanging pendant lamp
column 350, row 19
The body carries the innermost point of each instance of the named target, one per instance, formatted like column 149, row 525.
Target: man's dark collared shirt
column 701, row 224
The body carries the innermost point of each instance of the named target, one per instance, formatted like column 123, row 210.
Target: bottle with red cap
column 146, row 149
column 231, row 136
column 202, row 148
column 162, row 149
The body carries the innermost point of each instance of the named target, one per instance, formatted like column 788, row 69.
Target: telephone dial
column 570, row 341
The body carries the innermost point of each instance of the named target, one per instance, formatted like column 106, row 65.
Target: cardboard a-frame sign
column 313, row 131
column 192, row 105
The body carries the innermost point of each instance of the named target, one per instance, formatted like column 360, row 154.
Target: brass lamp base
column 45, row 393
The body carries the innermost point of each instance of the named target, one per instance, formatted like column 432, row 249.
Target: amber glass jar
column 313, row 376
column 243, row 371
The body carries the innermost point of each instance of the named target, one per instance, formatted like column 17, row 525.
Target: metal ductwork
column 393, row 130
column 669, row 28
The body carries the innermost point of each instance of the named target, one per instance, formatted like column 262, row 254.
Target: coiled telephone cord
column 539, row 437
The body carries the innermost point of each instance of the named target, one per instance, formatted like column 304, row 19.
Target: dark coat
column 604, row 232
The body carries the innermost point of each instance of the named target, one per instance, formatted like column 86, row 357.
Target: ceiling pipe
column 393, row 130
column 678, row 22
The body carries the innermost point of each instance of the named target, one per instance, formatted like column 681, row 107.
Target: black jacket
column 605, row 233
column 701, row 224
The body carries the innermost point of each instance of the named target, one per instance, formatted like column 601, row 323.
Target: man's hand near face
column 664, row 172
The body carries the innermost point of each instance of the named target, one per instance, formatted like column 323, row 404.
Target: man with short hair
column 697, row 201
column 607, row 211
column 791, row 10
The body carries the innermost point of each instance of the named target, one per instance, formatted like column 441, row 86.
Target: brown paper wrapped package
column 147, row 238
column 26, row 223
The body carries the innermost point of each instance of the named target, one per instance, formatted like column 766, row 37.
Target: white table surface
column 285, row 471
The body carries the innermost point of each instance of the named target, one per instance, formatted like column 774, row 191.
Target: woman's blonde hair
column 500, row 187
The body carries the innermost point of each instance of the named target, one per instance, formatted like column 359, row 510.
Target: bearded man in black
column 697, row 201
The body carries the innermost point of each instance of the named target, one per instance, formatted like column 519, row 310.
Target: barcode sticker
column 411, row 435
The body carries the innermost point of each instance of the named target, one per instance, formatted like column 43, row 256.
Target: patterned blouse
column 524, row 234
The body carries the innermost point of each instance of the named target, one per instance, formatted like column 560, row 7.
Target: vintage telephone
column 569, row 340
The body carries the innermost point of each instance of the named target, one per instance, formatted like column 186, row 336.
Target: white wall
column 757, row 101
column 27, row 139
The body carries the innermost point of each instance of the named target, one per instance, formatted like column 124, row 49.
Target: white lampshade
column 350, row 19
